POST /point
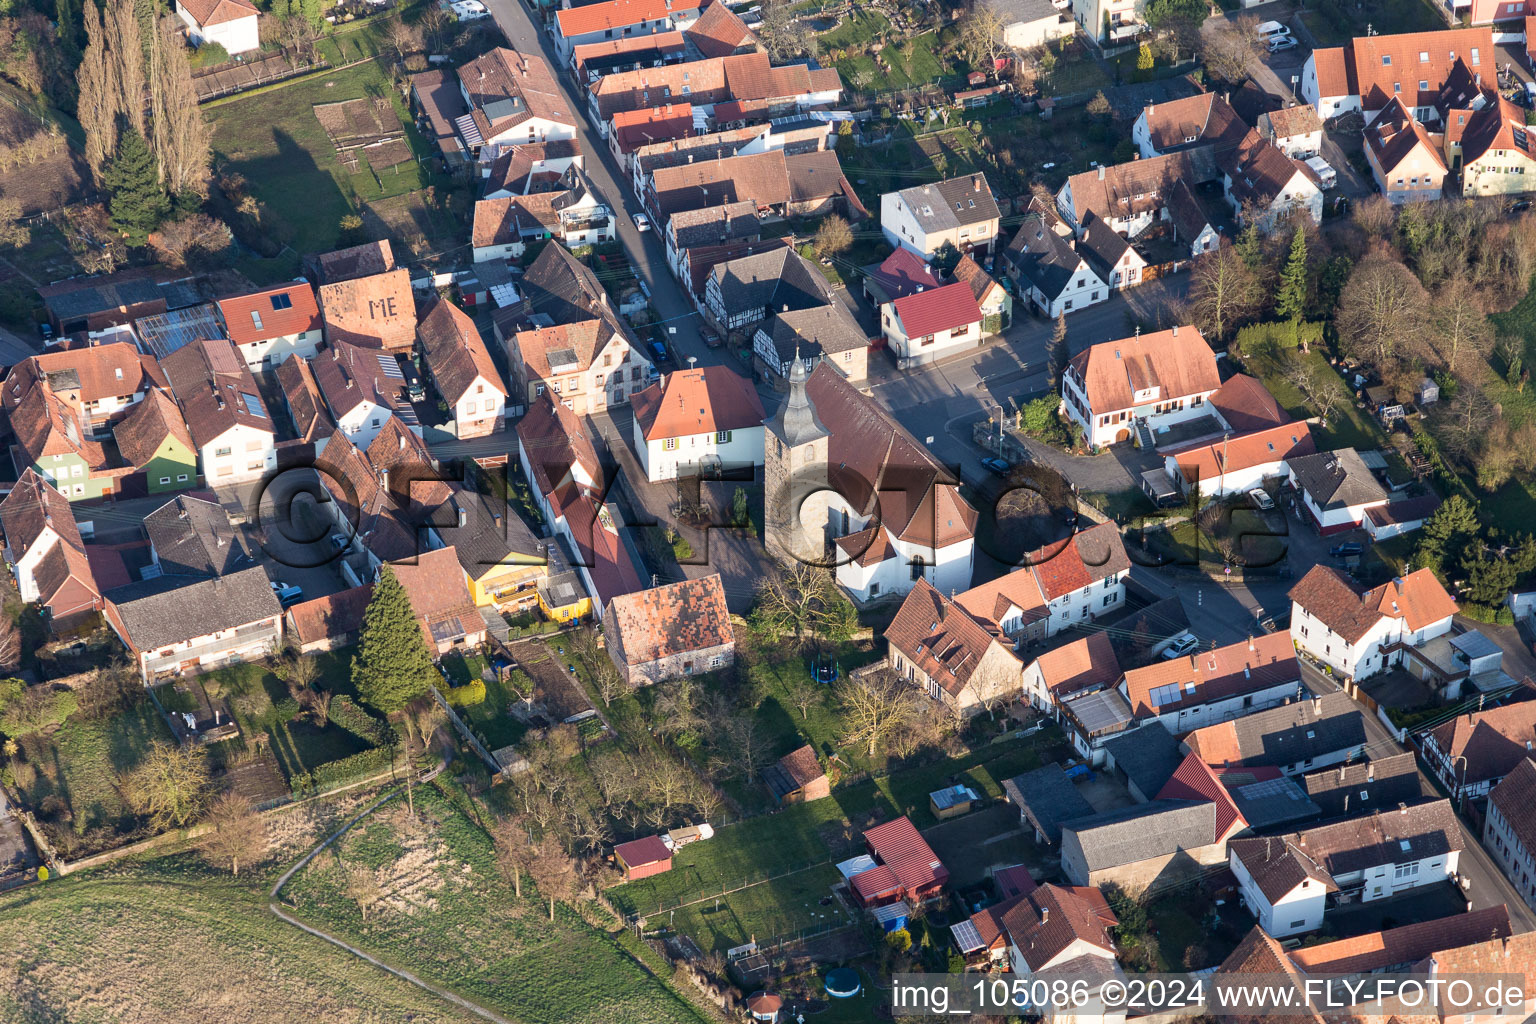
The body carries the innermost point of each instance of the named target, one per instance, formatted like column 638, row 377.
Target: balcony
column 243, row 637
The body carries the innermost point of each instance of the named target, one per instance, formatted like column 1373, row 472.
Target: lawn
column 783, row 906
column 80, row 763
column 855, row 32
column 274, row 139
column 1185, row 544
column 1077, row 72
column 1348, row 427
column 136, row 948
column 490, row 719
column 911, row 64
column 448, row 915
column 1336, row 24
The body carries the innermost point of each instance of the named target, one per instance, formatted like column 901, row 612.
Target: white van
column 1267, row 30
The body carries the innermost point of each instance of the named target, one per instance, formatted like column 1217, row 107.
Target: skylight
column 256, row 319
column 1405, row 844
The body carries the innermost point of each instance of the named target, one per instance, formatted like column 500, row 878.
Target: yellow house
column 1497, row 155
column 562, row 598
column 502, row 560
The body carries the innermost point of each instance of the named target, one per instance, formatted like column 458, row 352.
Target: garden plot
column 364, row 129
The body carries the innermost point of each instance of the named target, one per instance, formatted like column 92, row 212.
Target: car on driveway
column 1279, row 43
column 659, row 351
column 1261, row 499
column 711, row 339
column 1519, row 206
column 1183, row 644
column 1347, row 549
column 995, row 465
column 642, row 222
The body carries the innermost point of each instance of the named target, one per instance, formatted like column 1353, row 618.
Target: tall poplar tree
column 393, row 666
column 128, row 56
column 183, row 140
column 97, row 108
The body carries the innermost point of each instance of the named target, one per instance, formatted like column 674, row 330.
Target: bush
column 1273, row 338
column 1493, row 615
column 350, row 769
column 466, row 696
column 346, row 714
column 208, row 55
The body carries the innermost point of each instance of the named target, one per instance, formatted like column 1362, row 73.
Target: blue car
column 660, row 352
column 1346, row 550
column 998, row 466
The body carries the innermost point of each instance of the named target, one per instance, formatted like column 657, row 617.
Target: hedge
column 1493, row 615
column 349, row 769
column 466, row 696
column 346, row 714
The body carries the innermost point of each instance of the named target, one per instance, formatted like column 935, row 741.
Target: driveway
column 290, row 534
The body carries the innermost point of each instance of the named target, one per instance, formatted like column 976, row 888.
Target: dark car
column 1347, row 549
column 1519, row 206
column 711, row 339
column 1277, row 623
column 659, row 350
column 996, row 465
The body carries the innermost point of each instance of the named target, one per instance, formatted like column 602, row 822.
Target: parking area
column 289, row 531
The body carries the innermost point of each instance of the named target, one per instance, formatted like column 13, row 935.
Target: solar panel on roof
column 967, row 938
column 253, row 405
column 282, row 301
column 390, row 366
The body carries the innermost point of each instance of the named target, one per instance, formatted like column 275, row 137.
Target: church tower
column 794, row 469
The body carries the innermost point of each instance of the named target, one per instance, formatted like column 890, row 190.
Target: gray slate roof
column 1048, row 798
column 1042, row 257
column 822, row 330
column 1023, row 12
column 1337, row 479
column 1130, row 835
column 1297, row 732
column 193, row 537
column 952, row 203
column 1101, row 245
column 491, row 533
column 1355, row 788
column 770, row 281
column 1270, row 802
column 174, row 609
column 1148, row 756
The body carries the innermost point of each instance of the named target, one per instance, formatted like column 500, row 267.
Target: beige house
column 588, row 366
column 1497, row 157
column 1404, row 159
column 939, row 647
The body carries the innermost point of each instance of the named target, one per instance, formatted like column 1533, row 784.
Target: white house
column 1055, row 925
column 1233, row 462
column 225, row 415
column 959, row 211
column 1049, row 273
column 1202, row 119
column 1366, row 73
column 1209, row 687
column 271, row 324
column 1358, row 634
column 703, row 420
column 36, row 519
column 514, row 99
column 359, row 390
column 1265, row 186
column 619, row 19
column 1286, row 880
column 1508, row 834
column 1296, row 130
column 1030, row 23
column 1337, row 488
column 837, row 467
column 1139, row 385
column 230, row 23
column 462, row 370
column 1114, row 260
column 932, row 323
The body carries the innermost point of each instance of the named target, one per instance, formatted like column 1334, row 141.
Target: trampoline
column 843, row 983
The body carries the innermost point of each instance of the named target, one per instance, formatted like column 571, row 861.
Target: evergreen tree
column 1249, row 249
column 1291, row 298
column 138, row 203
column 1446, row 535
column 1056, row 353
column 393, row 666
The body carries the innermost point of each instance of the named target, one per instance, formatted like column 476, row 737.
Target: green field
column 783, row 906
column 1348, row 427
column 448, row 915
column 911, row 64
column 273, row 138
column 131, row 947
column 79, row 765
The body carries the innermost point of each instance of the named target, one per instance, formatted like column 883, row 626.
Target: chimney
column 786, row 308
column 384, row 479
column 1101, row 172
column 1045, row 914
column 1370, row 771
column 976, row 183
column 402, row 442
column 463, row 517
column 1175, row 330
column 1250, row 643
column 1317, row 706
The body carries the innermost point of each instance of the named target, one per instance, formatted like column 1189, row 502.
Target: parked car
column 1270, row 30
column 1347, row 549
column 711, row 339
column 46, row 330
column 659, row 351
column 1519, row 206
column 287, row 593
column 996, row 465
column 1279, row 43
column 1182, row 645
column 1276, row 623
column 1262, row 499
column 642, row 222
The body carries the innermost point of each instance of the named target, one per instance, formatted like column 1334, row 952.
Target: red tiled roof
column 636, row 128
column 1246, row 404
column 1047, row 921
column 217, row 12
column 662, row 42
column 944, row 308
column 1014, row 881
column 141, row 433
column 1244, row 667
column 1206, row 461
column 1494, row 742
column 1194, row 780
column 640, row 852
column 455, row 352
column 1515, row 796
column 255, row 316
column 1258, row 953
column 1087, row 661
column 435, row 583
column 678, row 618
column 32, row 506
column 877, row 881
column 1400, row 947
column 1376, row 65
column 331, row 616
column 901, row 848
column 1515, row 954
column 1328, row 595
column 719, row 32
column 377, row 311
column 903, row 272
column 801, row 766
column 1177, row 362
column 939, row 637
column 599, row 17
column 1086, row 558
column 704, row 400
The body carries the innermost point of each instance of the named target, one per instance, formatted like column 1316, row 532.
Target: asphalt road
column 645, row 250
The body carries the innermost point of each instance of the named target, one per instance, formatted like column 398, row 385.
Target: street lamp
column 999, row 431
column 1461, row 790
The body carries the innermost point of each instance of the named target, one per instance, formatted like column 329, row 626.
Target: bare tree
column 1375, row 216
column 877, row 705
column 834, row 235
column 1230, row 50
column 784, row 34
column 606, row 678
column 553, row 871
column 984, row 35
column 175, row 241
column 300, row 672
column 122, row 29
column 803, row 693
column 362, row 887
column 238, row 833
column 1460, row 323
column 1321, row 387
column 1222, row 291
column 666, row 783
column 10, row 643
column 1464, row 421
column 798, row 601
column 169, row 784
column 676, row 710
column 1383, row 311
column 97, row 107
column 514, row 850
column 183, row 140
column 746, row 746
column 403, row 37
